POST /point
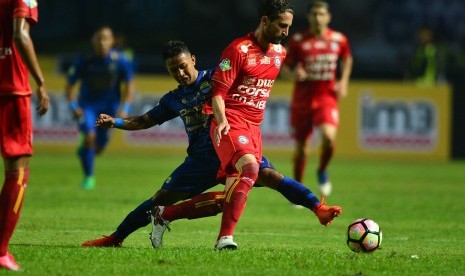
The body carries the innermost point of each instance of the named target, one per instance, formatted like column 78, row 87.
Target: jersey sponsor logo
column 397, row 124
column 225, row 65
column 252, row 61
column 254, row 91
column 243, row 140
column 30, row 3
column 277, row 62
column 265, row 83
column 320, row 45
column 259, row 104
column 265, row 60
column 5, row 52
column 307, row 46
column 249, row 81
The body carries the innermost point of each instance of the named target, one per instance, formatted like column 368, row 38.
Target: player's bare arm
column 128, row 94
column 25, row 47
column 342, row 86
column 131, row 123
column 76, row 109
column 220, row 116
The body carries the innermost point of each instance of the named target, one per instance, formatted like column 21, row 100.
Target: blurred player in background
column 198, row 172
column 313, row 56
column 17, row 59
column 102, row 75
column 241, row 86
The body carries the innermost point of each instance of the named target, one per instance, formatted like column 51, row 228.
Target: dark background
column 381, row 32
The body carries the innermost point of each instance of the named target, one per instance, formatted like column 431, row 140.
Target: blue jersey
column 101, row 77
column 187, row 103
column 198, row 172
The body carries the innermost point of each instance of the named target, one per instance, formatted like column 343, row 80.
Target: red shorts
column 303, row 120
column 15, row 126
column 242, row 138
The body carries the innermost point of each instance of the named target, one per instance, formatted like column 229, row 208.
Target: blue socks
column 138, row 218
column 297, row 193
column 87, row 157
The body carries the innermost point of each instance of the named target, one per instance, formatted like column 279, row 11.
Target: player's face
column 182, row 68
column 103, row 41
column 275, row 31
column 319, row 18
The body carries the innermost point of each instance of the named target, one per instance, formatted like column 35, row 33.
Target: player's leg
column 298, row 194
column 327, row 121
column 236, row 191
column 16, row 149
column 302, row 129
column 86, row 150
column 138, row 218
column 194, row 176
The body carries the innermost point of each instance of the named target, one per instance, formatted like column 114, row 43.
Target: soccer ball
column 364, row 235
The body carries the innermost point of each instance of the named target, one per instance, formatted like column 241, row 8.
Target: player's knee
column 250, row 170
column 269, row 178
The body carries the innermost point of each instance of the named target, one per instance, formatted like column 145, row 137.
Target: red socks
column 203, row 205
column 11, row 201
column 236, row 198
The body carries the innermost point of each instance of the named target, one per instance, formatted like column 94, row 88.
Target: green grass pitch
column 420, row 207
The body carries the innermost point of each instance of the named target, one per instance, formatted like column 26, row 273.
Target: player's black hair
column 173, row 48
column 273, row 8
column 318, row 4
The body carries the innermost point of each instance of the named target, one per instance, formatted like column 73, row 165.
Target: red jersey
column 245, row 76
column 13, row 72
column 319, row 57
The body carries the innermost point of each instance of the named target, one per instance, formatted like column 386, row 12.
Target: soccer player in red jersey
column 17, row 59
column 241, row 87
column 313, row 56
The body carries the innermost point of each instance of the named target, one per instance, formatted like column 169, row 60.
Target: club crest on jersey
column 225, row 65
column 277, row 62
column 243, row 140
column 30, row 3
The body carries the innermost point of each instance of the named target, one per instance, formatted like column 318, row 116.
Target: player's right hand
column 220, row 130
column 300, row 73
column 104, row 121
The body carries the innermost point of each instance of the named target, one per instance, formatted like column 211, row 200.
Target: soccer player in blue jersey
column 198, row 172
column 101, row 75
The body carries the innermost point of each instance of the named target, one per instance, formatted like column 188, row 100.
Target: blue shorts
column 87, row 122
column 198, row 174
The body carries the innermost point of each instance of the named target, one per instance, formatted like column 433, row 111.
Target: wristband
column 119, row 123
column 73, row 105
column 126, row 107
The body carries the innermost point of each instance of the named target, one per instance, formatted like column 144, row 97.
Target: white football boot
column 159, row 226
column 226, row 242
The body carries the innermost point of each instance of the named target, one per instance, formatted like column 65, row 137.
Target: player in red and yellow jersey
column 313, row 57
column 241, row 87
column 17, row 59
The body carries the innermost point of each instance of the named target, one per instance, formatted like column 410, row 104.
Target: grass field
column 419, row 206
